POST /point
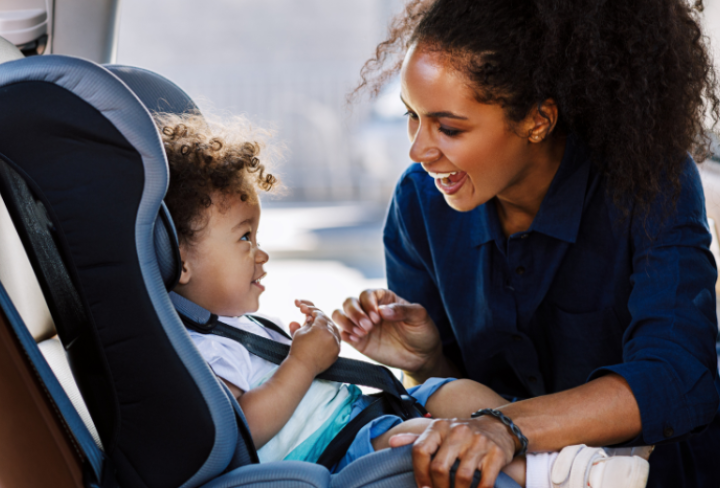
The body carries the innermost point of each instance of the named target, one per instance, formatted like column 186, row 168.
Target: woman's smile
column 449, row 183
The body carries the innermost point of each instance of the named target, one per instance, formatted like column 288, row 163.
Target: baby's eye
column 245, row 237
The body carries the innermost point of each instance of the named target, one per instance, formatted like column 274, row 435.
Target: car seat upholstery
column 83, row 174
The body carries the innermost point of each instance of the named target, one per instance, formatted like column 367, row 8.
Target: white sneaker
column 590, row 467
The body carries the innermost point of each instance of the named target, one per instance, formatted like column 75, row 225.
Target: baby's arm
column 314, row 348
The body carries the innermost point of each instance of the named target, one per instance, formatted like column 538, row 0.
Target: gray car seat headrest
column 159, row 94
column 156, row 92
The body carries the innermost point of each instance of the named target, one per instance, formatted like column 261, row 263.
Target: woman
column 568, row 266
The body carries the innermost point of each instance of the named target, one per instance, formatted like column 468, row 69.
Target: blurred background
column 289, row 65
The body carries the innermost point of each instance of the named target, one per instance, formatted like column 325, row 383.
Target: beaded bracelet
column 510, row 425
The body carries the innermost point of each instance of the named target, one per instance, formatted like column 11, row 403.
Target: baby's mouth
column 257, row 283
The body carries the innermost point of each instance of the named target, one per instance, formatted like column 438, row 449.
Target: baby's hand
column 316, row 344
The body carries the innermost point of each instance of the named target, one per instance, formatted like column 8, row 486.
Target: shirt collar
column 561, row 209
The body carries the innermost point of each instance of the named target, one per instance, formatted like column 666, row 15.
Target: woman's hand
column 390, row 330
column 482, row 444
column 316, row 344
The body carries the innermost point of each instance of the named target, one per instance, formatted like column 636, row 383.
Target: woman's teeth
column 441, row 176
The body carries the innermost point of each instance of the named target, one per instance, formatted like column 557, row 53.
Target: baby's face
column 223, row 267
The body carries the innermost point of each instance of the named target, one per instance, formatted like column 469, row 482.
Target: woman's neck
column 518, row 204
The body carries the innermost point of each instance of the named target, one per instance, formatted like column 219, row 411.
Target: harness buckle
column 411, row 407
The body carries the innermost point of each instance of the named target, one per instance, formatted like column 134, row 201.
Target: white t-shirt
column 322, row 413
column 230, row 360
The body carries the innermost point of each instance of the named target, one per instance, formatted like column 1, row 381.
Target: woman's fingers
column 469, row 463
column 424, row 448
column 410, row 313
column 369, row 301
column 453, row 448
column 443, row 443
column 347, row 328
column 354, row 312
column 490, row 468
column 349, row 338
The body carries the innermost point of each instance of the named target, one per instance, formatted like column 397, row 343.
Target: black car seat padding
column 101, row 197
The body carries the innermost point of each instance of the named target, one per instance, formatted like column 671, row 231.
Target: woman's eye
column 448, row 131
column 410, row 114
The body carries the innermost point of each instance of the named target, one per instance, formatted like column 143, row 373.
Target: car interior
column 107, row 386
column 101, row 386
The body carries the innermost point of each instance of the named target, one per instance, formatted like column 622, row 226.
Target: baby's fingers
column 307, row 303
column 320, row 319
column 399, row 440
column 293, row 326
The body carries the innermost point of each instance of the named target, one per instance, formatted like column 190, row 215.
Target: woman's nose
column 423, row 148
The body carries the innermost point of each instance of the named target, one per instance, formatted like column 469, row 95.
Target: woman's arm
column 599, row 413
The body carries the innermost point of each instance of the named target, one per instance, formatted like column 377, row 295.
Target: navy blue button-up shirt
column 585, row 291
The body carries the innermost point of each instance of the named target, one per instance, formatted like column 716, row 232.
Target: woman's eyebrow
column 438, row 115
column 446, row 115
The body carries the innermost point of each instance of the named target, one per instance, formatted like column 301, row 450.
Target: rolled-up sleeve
column 669, row 357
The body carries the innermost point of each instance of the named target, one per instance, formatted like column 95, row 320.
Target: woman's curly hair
column 209, row 160
column 632, row 78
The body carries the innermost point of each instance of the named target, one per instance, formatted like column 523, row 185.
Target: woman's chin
column 461, row 203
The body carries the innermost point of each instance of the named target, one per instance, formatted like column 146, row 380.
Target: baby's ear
column 184, row 274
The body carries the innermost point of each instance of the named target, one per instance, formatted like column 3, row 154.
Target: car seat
column 83, row 175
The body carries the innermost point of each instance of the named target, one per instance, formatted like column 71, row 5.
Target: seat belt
column 393, row 399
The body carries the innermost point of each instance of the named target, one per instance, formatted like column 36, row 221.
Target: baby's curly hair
column 209, row 159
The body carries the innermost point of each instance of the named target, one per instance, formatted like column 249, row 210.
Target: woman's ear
column 541, row 121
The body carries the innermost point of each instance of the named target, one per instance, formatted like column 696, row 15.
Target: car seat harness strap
column 393, row 399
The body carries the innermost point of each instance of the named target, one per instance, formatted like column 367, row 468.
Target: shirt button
column 668, row 432
column 517, row 337
column 520, row 270
column 532, row 379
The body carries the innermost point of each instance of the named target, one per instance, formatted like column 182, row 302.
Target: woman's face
column 468, row 147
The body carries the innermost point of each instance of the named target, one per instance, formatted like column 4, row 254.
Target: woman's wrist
column 519, row 440
column 437, row 365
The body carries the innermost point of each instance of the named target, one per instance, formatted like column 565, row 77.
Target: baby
column 215, row 174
